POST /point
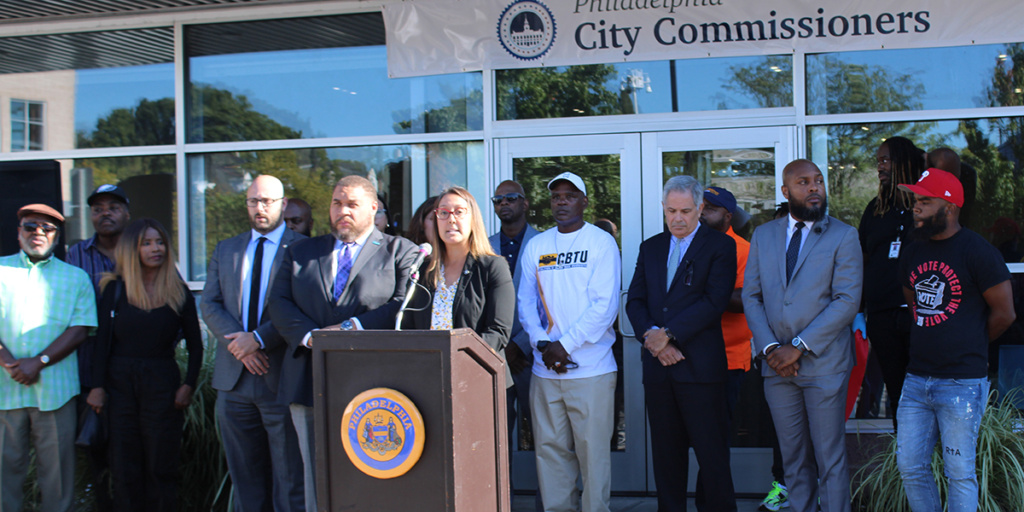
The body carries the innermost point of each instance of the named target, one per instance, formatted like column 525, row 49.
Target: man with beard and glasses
column 801, row 291
column 259, row 440
column 47, row 308
column 884, row 229
column 961, row 298
column 353, row 278
column 108, row 211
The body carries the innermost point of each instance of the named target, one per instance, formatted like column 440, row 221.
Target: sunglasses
column 31, row 227
column 513, row 197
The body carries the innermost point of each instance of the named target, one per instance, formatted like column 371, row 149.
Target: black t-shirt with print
column 949, row 334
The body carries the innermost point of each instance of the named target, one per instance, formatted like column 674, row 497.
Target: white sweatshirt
column 579, row 275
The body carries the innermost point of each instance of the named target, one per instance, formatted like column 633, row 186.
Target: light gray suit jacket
column 519, row 337
column 819, row 302
column 222, row 308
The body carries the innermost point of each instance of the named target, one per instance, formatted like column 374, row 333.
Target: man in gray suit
column 801, row 292
column 510, row 205
column 259, row 439
column 354, row 278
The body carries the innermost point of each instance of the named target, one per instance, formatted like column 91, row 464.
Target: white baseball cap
column 571, row 178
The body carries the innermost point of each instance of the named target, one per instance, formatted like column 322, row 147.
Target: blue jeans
column 931, row 408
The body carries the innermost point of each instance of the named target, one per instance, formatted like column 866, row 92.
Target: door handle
column 625, row 328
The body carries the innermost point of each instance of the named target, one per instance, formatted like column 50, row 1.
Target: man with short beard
column 48, row 307
column 356, row 276
column 801, row 291
column 108, row 211
column 259, row 439
column 961, row 297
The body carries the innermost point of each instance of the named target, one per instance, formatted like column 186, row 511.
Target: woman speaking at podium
column 469, row 285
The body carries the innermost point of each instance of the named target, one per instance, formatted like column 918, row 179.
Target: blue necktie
column 794, row 250
column 344, row 267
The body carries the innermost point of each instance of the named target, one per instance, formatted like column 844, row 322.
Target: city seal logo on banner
column 526, row 29
column 382, row 431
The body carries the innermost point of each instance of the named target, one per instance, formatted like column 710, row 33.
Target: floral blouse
column 444, row 298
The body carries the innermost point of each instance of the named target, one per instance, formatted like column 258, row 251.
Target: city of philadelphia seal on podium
column 382, row 431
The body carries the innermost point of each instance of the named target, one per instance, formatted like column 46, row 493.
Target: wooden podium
column 457, row 384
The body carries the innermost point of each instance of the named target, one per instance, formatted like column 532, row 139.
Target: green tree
column 574, row 91
column 218, row 115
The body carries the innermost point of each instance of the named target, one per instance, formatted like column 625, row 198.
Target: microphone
column 425, row 250
column 817, row 229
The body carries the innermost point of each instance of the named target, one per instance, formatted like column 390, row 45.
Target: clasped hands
column 656, row 341
column 245, row 348
column 25, row 371
column 784, row 359
column 555, row 357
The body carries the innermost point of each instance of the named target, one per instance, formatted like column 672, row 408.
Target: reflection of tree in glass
column 218, row 115
column 771, row 88
column 461, row 114
column 599, row 172
column 574, row 91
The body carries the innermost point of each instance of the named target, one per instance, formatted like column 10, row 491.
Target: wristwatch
column 800, row 345
column 348, row 325
column 45, row 359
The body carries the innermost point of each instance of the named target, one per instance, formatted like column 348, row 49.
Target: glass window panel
column 993, row 148
column 762, row 81
column 270, row 80
column 748, row 173
column 18, row 142
column 35, row 137
column 218, row 182
column 915, row 79
column 101, row 89
column 35, row 112
column 645, row 87
column 18, row 110
column 149, row 182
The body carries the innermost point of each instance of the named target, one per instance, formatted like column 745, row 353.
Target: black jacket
column 485, row 301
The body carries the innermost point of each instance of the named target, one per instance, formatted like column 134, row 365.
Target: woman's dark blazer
column 485, row 301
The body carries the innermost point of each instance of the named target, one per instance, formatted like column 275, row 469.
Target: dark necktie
column 344, row 267
column 254, row 286
column 794, row 250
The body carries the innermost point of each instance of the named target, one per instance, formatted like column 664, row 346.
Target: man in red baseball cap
column 959, row 291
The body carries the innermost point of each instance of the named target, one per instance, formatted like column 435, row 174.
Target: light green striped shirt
column 38, row 302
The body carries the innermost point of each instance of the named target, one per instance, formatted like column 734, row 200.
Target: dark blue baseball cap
column 721, row 197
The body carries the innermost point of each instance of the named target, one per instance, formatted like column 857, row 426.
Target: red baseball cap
column 938, row 183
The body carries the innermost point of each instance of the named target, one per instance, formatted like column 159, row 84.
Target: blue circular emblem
column 526, row 29
column 382, row 432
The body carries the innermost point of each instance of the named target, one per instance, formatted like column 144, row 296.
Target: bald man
column 260, row 443
column 298, row 216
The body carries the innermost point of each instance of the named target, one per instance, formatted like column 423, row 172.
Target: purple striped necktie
column 344, row 267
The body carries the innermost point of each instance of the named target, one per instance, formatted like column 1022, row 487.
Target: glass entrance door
column 625, row 173
column 610, row 165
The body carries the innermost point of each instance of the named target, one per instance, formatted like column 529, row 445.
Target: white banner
column 426, row 37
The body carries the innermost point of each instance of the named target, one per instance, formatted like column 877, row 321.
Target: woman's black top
column 145, row 334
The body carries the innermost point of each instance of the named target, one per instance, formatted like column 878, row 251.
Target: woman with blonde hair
column 470, row 285
column 143, row 307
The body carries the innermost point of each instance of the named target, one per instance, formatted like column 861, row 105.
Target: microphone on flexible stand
column 424, row 251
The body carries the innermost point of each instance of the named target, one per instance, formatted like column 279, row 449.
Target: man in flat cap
column 48, row 307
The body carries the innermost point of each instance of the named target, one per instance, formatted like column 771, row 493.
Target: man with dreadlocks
column 884, row 227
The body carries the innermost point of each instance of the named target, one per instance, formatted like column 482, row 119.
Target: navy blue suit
column 686, row 402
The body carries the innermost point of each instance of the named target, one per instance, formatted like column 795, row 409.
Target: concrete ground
column 525, row 503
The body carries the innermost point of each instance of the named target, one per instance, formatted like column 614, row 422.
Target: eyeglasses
column 252, row 202
column 513, row 197
column 31, row 227
column 444, row 213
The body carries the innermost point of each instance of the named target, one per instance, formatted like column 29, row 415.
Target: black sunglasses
column 513, row 197
column 31, row 227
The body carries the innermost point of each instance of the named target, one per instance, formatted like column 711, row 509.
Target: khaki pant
column 52, row 433
column 573, row 420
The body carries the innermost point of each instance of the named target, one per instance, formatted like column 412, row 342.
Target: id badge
column 894, row 250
